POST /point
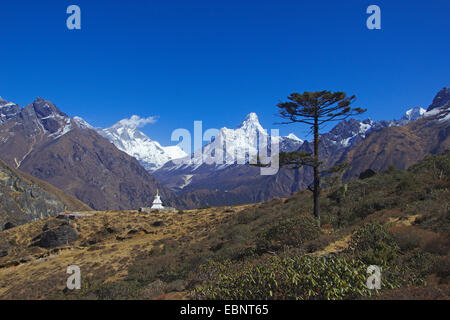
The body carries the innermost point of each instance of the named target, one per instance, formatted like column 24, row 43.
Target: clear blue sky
column 218, row 60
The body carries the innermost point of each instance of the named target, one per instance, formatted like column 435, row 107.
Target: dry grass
column 108, row 243
column 404, row 220
column 336, row 246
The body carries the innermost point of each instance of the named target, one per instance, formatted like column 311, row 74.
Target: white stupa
column 157, row 203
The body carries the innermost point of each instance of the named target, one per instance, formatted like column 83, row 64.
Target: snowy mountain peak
column 252, row 117
column 81, row 123
column 5, row 104
column 414, row 114
column 293, row 137
column 126, row 136
column 251, row 125
column 441, row 98
column 251, row 121
column 441, row 113
column 235, row 146
column 8, row 110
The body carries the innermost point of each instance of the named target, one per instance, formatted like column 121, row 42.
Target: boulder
column 367, row 174
column 55, row 237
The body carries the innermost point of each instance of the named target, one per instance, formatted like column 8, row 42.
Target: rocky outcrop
column 24, row 198
column 441, row 98
column 8, row 110
column 55, row 234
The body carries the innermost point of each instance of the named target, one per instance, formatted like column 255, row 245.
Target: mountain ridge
column 44, row 142
column 198, row 179
column 239, row 182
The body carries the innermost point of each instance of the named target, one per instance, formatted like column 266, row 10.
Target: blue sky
column 216, row 61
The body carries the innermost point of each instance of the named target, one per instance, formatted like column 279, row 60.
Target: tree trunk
column 316, row 170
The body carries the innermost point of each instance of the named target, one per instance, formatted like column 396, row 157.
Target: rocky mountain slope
column 8, row 110
column 46, row 143
column 24, row 198
column 401, row 146
column 441, row 100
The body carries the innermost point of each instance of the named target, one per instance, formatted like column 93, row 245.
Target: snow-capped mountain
column 235, row 146
column 224, row 161
column 347, row 132
column 238, row 146
column 441, row 99
column 242, row 143
column 414, row 114
column 126, row 136
column 292, row 136
column 351, row 131
column 43, row 141
column 47, row 120
column 24, row 130
column 134, row 142
column 81, row 123
column 440, row 107
column 8, row 110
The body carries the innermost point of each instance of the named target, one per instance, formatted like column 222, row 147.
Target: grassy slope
column 399, row 219
column 109, row 243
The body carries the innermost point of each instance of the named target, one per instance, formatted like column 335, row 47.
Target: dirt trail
column 335, row 247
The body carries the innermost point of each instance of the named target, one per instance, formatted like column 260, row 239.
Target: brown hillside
column 88, row 166
column 25, row 198
column 398, row 146
column 46, row 143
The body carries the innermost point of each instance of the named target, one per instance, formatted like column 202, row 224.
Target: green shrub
column 237, row 252
column 288, row 277
column 438, row 165
column 370, row 205
column 291, row 232
column 96, row 289
column 442, row 267
column 410, row 237
column 317, row 244
column 118, row 290
column 374, row 245
column 239, row 232
column 421, row 263
column 439, row 244
column 407, row 185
